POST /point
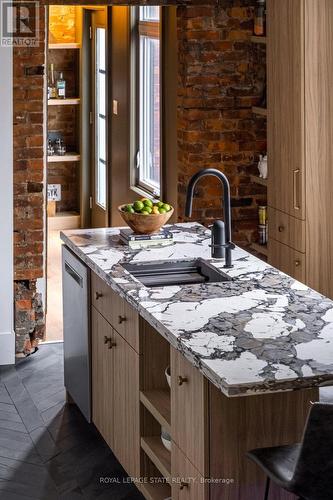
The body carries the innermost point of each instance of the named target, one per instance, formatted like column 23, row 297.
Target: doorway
column 77, row 173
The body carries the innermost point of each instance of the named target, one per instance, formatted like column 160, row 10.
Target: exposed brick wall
column 221, row 76
column 28, row 118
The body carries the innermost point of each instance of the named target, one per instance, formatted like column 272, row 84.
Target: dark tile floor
column 47, row 449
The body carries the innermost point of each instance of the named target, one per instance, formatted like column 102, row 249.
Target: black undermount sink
column 182, row 272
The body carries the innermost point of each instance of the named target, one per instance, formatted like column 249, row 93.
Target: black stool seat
column 305, row 469
column 278, row 463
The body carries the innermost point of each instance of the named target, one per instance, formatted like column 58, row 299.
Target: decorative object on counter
column 260, row 18
column 263, row 167
column 166, row 439
column 145, row 216
column 51, row 89
column 168, row 375
column 61, row 87
column 135, row 241
column 221, row 244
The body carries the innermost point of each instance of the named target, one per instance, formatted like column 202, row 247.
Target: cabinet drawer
column 187, row 482
column 286, row 229
column 121, row 316
column 287, row 260
column 189, row 410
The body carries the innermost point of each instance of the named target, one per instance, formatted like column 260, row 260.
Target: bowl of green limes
column 146, row 216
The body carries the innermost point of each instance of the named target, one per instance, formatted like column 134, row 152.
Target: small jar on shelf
column 260, row 18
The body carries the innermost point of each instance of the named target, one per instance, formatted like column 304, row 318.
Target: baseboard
column 7, row 348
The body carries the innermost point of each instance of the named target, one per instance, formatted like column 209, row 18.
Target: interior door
column 99, row 174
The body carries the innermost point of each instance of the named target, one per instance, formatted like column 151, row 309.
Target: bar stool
column 305, row 469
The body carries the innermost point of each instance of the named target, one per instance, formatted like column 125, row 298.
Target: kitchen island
column 247, row 356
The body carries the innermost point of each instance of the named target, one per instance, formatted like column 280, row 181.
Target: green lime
column 148, row 209
column 160, row 204
column 138, row 206
column 131, row 210
column 128, row 208
column 147, row 203
column 167, row 207
column 144, row 212
column 162, row 210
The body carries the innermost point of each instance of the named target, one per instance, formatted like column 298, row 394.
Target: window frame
column 151, row 29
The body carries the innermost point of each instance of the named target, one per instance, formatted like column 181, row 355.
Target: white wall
column 7, row 336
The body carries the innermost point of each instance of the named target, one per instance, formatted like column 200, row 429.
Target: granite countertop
column 261, row 332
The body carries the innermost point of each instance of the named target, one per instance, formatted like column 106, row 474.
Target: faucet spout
column 228, row 245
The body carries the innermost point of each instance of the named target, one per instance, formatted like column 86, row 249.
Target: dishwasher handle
column 74, row 274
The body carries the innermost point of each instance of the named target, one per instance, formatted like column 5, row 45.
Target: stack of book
column 138, row 241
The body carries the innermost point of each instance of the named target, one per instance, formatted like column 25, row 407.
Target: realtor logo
column 19, row 23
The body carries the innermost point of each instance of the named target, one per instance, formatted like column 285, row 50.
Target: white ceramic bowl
column 166, row 439
column 168, row 375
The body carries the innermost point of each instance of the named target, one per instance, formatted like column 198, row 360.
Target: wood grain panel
column 102, row 377
column 241, row 424
column 126, row 439
column 187, row 482
column 287, row 260
column 189, row 411
column 286, row 229
column 121, row 315
column 155, row 358
column 319, row 144
column 285, row 124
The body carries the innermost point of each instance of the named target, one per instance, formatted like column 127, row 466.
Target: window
column 148, row 160
column 100, row 110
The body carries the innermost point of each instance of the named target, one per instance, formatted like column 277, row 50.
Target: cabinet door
column 187, row 482
column 189, row 411
column 126, row 406
column 102, row 376
column 287, row 260
column 285, row 88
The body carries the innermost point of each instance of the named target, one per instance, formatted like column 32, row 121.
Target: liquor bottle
column 51, row 91
column 260, row 18
column 61, row 87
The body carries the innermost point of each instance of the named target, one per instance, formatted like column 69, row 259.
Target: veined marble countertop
column 261, row 332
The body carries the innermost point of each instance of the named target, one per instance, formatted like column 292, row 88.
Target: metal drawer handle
column 108, row 340
column 98, row 295
column 181, row 380
column 296, row 203
column 297, row 263
column 281, row 229
column 121, row 319
column 183, row 485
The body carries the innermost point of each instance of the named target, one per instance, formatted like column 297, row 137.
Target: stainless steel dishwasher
column 75, row 283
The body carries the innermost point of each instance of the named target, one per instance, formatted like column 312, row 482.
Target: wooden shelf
column 64, row 220
column 258, row 180
column 259, row 39
column 157, row 491
column 72, row 101
column 260, row 248
column 70, row 45
column 259, row 111
column 158, row 454
column 157, row 402
column 65, row 157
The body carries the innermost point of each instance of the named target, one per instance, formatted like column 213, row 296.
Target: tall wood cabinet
column 300, row 138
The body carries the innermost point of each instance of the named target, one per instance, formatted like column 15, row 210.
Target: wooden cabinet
column 115, row 383
column 300, row 138
column 189, row 416
column 115, row 310
column 126, row 440
column 286, row 229
column 188, row 483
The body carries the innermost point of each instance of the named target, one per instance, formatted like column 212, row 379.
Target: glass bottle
column 52, row 91
column 260, row 18
column 61, row 87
